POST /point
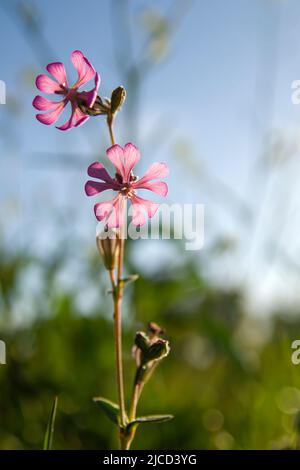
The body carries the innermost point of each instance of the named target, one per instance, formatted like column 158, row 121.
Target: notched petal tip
column 113, row 148
column 131, row 146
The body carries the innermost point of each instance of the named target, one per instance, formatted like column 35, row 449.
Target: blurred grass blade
column 50, row 427
column 110, row 408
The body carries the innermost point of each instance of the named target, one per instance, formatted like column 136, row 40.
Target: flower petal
column 43, row 104
column 52, row 116
column 156, row 170
column 84, row 68
column 115, row 154
column 94, row 187
column 158, row 187
column 141, row 209
column 97, row 170
column 57, row 69
column 46, row 84
column 110, row 211
column 131, row 157
column 77, row 119
column 90, row 96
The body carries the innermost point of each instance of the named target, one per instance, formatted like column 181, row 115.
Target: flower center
column 127, row 190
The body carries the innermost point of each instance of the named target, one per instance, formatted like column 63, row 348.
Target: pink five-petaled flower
column 126, row 185
column 58, row 85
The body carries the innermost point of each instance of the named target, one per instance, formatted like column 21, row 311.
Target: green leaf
column 50, row 427
column 129, row 279
column 110, row 408
column 149, row 419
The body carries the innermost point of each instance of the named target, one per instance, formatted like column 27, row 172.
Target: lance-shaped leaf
column 110, row 408
column 129, row 279
column 149, row 419
column 50, row 427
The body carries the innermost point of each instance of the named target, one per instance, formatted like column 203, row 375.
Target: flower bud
column 149, row 349
column 117, row 99
column 108, row 249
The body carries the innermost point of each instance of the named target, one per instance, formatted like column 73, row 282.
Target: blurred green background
column 231, row 311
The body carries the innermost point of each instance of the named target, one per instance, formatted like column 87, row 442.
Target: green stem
column 134, row 402
column 118, row 344
column 117, row 289
column 110, row 121
column 132, row 414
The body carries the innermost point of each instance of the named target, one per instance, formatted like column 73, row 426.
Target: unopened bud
column 108, row 249
column 117, row 99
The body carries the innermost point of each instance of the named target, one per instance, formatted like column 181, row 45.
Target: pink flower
column 58, row 84
column 126, row 185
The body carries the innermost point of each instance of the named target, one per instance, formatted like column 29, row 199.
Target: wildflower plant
column 149, row 347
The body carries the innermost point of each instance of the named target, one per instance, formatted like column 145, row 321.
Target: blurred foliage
column 229, row 379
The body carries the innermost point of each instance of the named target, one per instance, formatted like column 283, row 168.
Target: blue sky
column 223, row 92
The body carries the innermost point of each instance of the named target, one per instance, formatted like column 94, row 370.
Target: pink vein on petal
column 131, row 156
column 159, row 187
column 115, row 154
column 156, row 170
column 46, row 84
column 52, row 116
column 57, row 69
column 43, row 104
column 84, row 68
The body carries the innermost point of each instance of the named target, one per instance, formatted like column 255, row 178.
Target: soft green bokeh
column 229, row 379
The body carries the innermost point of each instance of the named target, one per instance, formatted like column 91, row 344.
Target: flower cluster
column 85, row 104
